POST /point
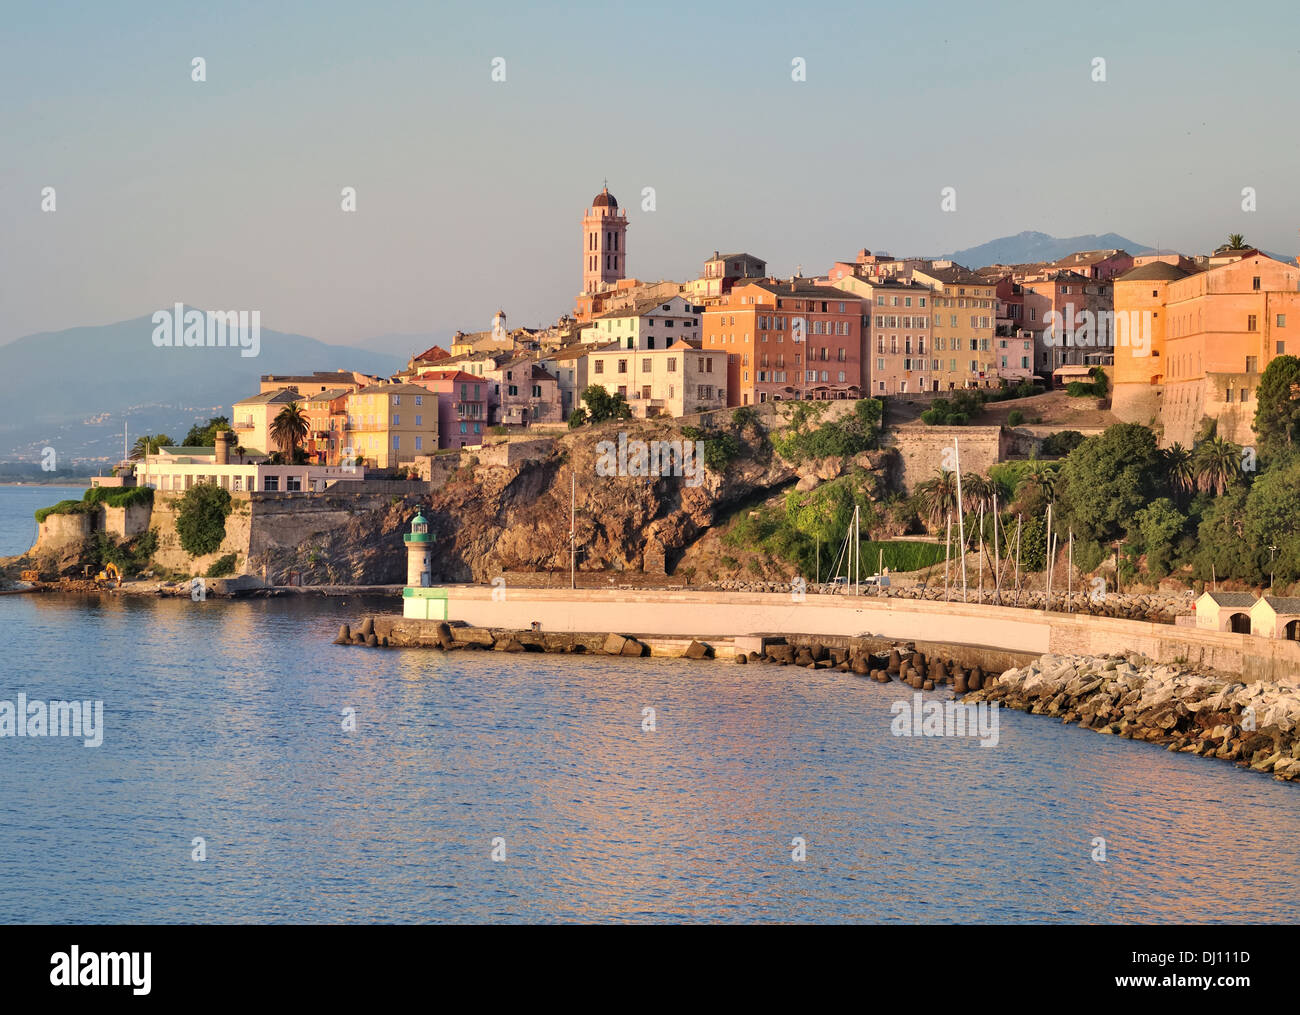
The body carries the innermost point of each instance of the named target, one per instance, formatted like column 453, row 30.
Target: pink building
column 462, row 406
column 604, row 243
column 524, row 392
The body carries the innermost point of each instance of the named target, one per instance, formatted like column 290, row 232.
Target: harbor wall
column 707, row 615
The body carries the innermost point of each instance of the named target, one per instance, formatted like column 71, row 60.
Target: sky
column 226, row 193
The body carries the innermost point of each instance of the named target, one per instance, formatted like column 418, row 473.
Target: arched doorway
column 1239, row 623
column 1293, row 630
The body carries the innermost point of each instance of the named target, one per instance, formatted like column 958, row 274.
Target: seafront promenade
column 705, row 615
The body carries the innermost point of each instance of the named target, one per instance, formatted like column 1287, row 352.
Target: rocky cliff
column 488, row 520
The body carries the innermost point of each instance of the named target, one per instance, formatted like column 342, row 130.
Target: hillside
column 72, row 389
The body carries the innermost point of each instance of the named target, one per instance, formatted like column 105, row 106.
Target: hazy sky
column 226, row 193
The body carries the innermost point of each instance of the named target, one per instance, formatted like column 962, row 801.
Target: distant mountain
column 82, row 380
column 404, row 345
column 1027, row 247
column 1032, row 246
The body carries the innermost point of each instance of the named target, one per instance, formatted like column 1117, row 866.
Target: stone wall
column 921, row 449
column 515, row 452
column 128, row 522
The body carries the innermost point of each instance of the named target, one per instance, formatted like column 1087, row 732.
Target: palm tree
column 149, row 444
column 1217, row 463
column 936, row 498
column 1236, row 241
column 977, row 492
column 1180, row 469
column 241, row 451
column 289, row 429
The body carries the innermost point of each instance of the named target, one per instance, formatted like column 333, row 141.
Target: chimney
column 223, row 442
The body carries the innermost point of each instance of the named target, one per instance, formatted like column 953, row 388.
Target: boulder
column 698, row 650
column 345, row 636
column 613, row 645
column 632, row 647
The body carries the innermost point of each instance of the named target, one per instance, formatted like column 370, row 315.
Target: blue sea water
column 224, row 721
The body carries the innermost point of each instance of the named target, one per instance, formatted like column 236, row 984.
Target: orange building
column 787, row 340
column 1213, row 334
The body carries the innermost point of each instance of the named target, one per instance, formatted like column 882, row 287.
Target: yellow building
column 963, row 312
column 389, row 424
column 253, row 417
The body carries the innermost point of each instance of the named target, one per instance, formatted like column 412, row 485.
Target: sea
column 252, row 772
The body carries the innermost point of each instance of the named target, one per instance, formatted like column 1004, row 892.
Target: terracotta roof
column 267, row 397
column 1154, row 271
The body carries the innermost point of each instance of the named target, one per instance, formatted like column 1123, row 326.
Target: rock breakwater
column 1254, row 725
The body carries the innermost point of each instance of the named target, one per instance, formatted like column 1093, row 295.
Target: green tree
column 201, row 518
column 206, row 436
column 1107, row 479
column 601, row 405
column 577, row 417
column 1217, row 465
column 936, row 498
column 289, row 429
column 1277, row 409
column 1272, row 507
column 1180, row 472
column 149, row 444
column 1159, row 525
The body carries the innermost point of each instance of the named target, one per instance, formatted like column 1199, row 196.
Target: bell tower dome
column 604, row 243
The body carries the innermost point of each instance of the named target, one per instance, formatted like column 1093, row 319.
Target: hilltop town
column 874, row 384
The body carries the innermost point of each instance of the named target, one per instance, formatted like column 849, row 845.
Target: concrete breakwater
column 1255, row 725
column 876, row 658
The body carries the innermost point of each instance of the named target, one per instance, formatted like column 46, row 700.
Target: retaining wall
column 736, row 614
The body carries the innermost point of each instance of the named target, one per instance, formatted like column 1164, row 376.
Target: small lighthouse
column 419, row 553
column 419, row 600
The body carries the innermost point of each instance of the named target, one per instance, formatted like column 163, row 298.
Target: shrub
column 1061, row 443
column 1015, row 417
column 201, row 519
column 744, row 416
column 719, row 450
column 222, row 566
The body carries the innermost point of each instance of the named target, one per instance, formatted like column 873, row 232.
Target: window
column 672, row 364
column 397, row 442
column 271, row 483
column 600, row 366
column 1252, row 364
column 419, row 420
column 1281, row 348
column 293, row 484
column 419, row 399
column 478, row 427
column 464, row 427
column 1250, row 322
column 1254, row 282
column 419, row 444
column 512, row 390
column 645, row 366
column 1281, row 320
column 397, row 399
column 397, row 420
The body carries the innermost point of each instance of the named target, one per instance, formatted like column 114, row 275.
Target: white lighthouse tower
column 419, row 600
